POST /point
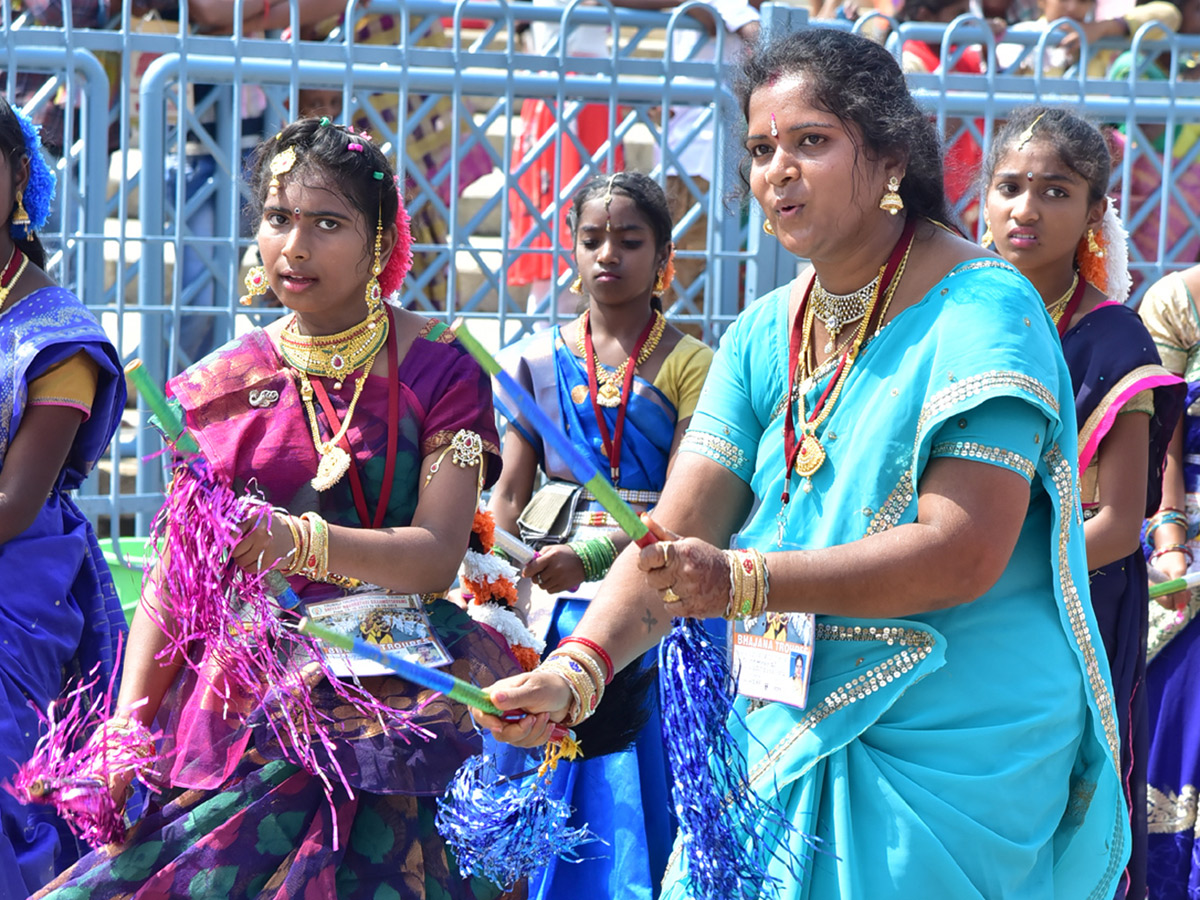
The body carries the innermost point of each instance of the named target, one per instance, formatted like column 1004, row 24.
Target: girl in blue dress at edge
column 62, row 393
column 621, row 225
column 960, row 738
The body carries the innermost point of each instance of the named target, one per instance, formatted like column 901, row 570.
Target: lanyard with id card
column 772, row 656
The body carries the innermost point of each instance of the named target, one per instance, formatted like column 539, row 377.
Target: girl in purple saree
column 369, row 430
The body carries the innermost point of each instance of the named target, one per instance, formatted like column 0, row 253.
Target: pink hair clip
column 357, row 148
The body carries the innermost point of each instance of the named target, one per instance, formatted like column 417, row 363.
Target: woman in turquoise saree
column 903, row 417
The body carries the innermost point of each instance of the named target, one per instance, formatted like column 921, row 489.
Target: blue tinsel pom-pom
column 721, row 819
column 504, row 830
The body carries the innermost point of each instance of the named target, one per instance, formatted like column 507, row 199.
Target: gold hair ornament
column 281, row 164
column 1027, row 136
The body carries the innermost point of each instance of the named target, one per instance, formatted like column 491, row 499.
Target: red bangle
column 595, row 648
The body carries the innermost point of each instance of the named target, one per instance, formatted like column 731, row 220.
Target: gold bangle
column 584, row 659
column 582, row 683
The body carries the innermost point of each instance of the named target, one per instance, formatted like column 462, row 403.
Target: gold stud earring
column 891, row 201
column 256, row 285
column 767, row 227
column 987, row 237
column 577, row 285
column 1093, row 245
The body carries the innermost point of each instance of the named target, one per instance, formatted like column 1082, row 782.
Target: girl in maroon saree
column 1047, row 212
column 370, row 400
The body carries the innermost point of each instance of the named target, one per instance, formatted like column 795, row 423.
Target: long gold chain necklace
column 608, row 392
column 9, row 277
column 1059, row 306
column 334, row 461
column 334, row 355
column 803, row 452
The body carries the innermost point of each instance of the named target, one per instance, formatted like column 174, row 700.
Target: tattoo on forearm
column 650, row 621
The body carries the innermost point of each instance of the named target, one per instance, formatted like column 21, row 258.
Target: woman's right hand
column 1174, row 565
column 543, row 696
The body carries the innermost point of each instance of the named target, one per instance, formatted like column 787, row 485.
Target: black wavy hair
column 12, row 145
column 859, row 82
column 364, row 177
column 1078, row 143
column 646, row 194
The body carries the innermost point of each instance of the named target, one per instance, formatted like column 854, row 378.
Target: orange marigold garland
column 491, row 580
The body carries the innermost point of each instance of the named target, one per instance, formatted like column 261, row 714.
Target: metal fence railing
column 156, row 122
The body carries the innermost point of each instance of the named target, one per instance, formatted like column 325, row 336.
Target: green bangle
column 596, row 555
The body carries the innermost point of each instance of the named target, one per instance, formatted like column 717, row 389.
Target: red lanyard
column 791, row 446
column 1064, row 323
column 393, row 439
column 612, row 445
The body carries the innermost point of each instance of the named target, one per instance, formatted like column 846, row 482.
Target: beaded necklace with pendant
column 608, row 391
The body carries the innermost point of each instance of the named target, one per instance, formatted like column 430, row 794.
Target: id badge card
column 772, row 656
column 396, row 623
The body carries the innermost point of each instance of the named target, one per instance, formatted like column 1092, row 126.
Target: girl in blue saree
column 902, row 414
column 622, row 230
column 1046, row 176
column 61, row 397
column 1171, row 315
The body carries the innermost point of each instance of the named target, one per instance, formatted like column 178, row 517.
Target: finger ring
column 669, row 596
column 667, row 546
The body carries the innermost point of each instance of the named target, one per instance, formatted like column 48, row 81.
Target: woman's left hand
column 691, row 576
column 264, row 544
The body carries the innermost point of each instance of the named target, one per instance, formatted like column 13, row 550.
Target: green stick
column 582, row 468
column 425, row 676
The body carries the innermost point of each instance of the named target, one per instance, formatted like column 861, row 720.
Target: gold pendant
column 608, row 394
column 811, row 456
column 335, row 462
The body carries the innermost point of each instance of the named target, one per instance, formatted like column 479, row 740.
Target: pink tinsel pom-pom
column 75, row 775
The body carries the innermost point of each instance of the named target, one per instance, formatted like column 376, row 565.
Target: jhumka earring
column 987, row 237
column 577, row 285
column 21, row 217
column 767, row 227
column 891, row 201
column 256, row 285
column 281, row 164
column 1093, row 245
column 660, row 283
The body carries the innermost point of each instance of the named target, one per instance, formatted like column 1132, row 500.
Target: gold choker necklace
column 338, row 355
column 836, row 311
